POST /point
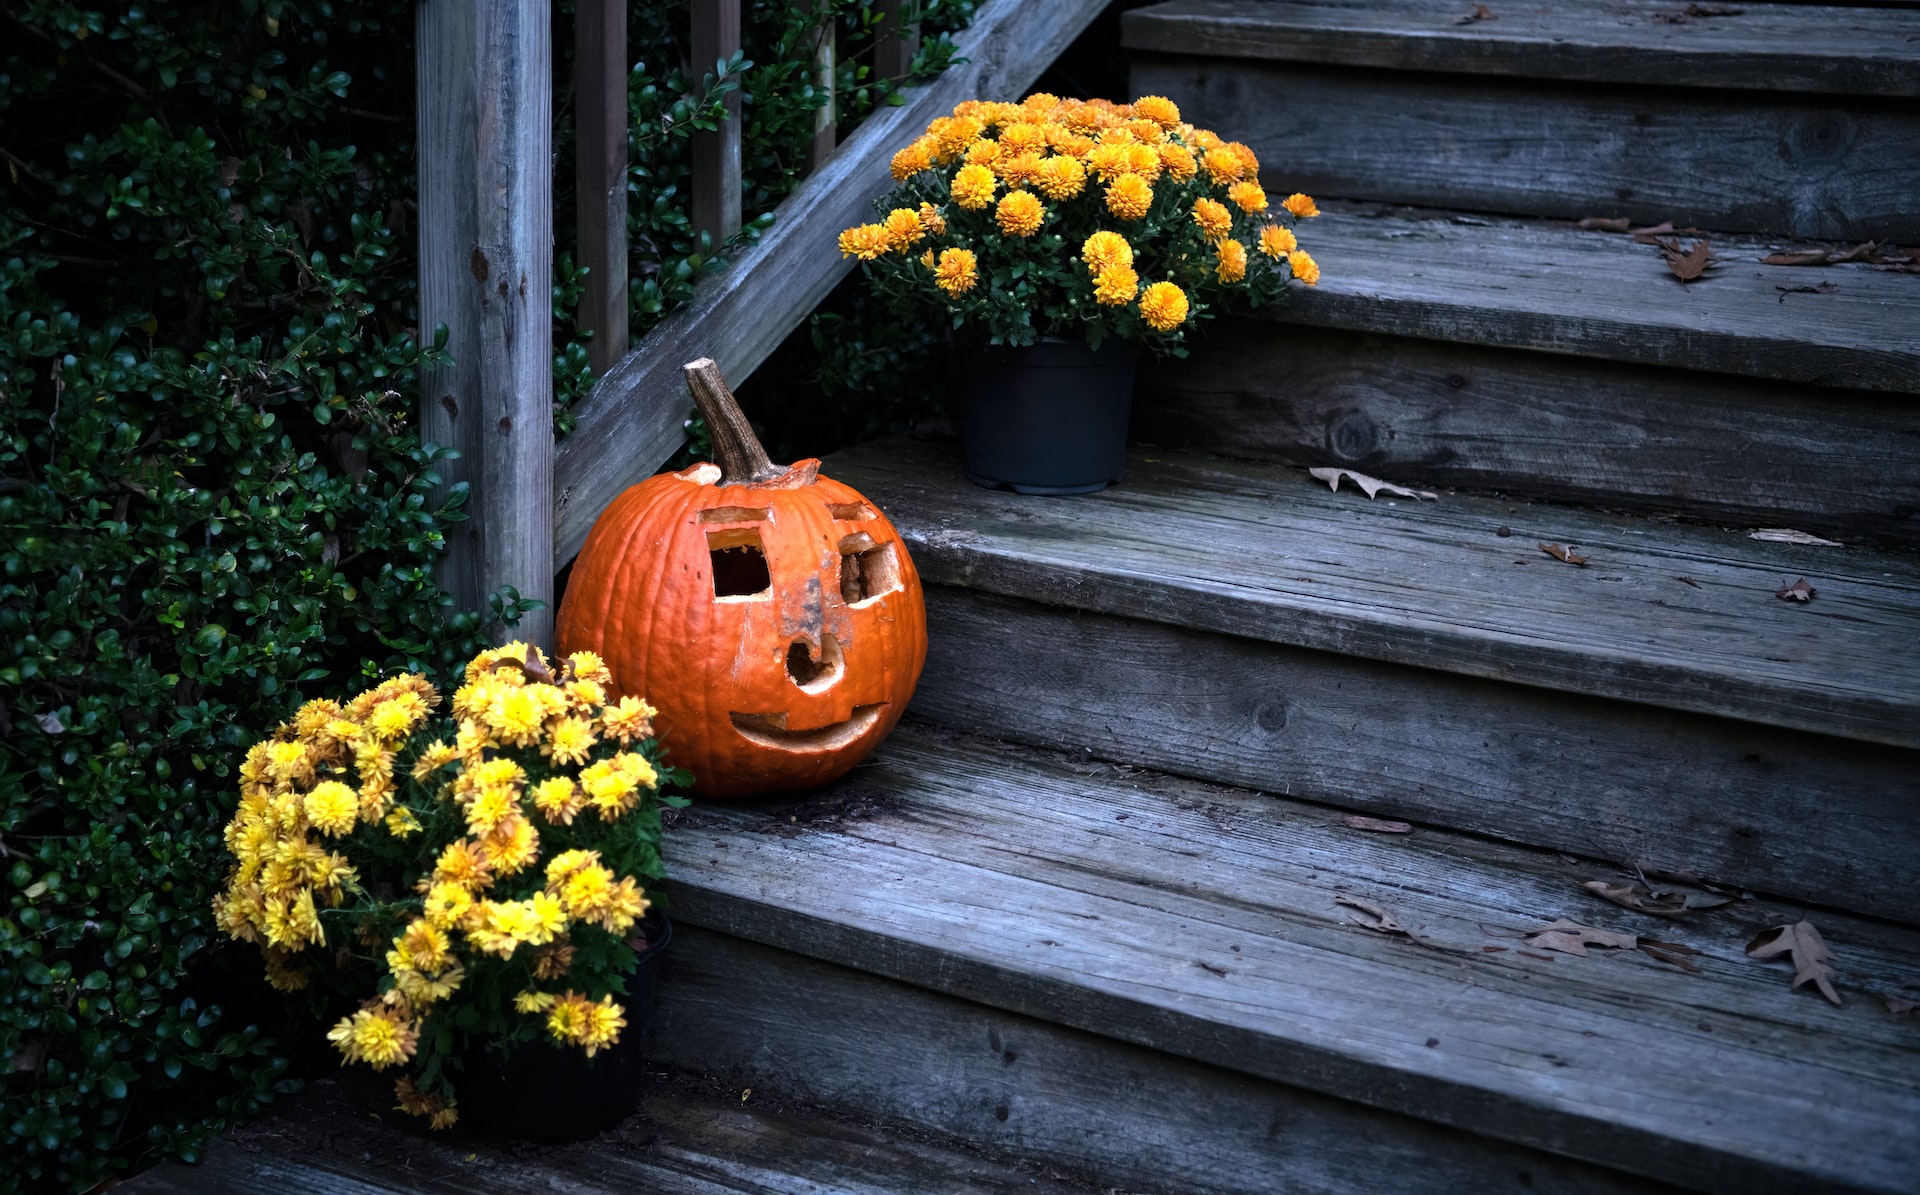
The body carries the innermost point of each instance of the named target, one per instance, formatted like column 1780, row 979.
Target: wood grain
column 1527, row 284
column 1803, row 816
column 826, row 132
column 716, row 155
column 1112, row 902
column 600, row 175
column 1764, row 47
column 486, row 264
column 768, row 1020
column 1268, row 553
column 1805, row 166
column 632, row 419
column 1754, row 452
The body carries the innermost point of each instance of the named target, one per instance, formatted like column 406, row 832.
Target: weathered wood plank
column 688, row 1139
column 1268, row 553
column 1206, row 923
column 600, row 174
column 716, row 155
column 1803, row 816
column 1803, row 166
column 774, row 1021
column 486, row 263
column 1474, row 280
column 632, row 419
column 1845, row 464
column 1763, row 47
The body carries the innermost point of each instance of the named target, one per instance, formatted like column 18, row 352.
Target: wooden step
column 1761, row 47
column 1206, row 924
column 689, row 1138
column 1774, row 162
column 1268, row 553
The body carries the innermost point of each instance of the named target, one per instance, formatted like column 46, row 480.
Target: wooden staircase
column 1101, row 907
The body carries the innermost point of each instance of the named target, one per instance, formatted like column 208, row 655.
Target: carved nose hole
column 867, row 570
column 815, row 674
column 739, row 563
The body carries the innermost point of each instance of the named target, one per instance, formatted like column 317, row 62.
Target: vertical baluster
column 716, row 155
column 600, row 174
column 825, row 134
column 486, row 272
column 897, row 40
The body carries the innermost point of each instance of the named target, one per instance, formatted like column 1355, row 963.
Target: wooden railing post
column 600, row 174
column 825, row 119
column 716, row 155
column 897, row 40
column 486, row 271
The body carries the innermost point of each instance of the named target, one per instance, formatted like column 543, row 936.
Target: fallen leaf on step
column 1688, row 581
column 1799, row 591
column 1803, row 946
column 1787, row 535
column 1564, row 553
column 1872, row 253
column 1899, row 1006
column 1480, row 13
column 1822, row 288
column 1672, row 953
column 1689, row 264
column 1382, row 921
column 1605, row 224
column 1692, row 11
column 1377, row 825
column 1652, row 232
column 1570, row 937
column 1661, row 900
column 1370, row 485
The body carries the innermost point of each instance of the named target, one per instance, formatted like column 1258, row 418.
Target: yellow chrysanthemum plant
column 1080, row 219
column 474, row 876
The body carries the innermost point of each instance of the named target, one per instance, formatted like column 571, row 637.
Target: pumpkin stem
column 742, row 460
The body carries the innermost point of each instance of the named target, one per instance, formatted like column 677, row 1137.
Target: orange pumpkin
column 771, row 615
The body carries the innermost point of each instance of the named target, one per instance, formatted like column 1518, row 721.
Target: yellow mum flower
column 957, row 271
column 515, row 715
column 1118, row 134
column 1107, row 161
column 1205, row 140
column 1146, row 132
column 626, row 904
column 1249, row 164
column 511, row 845
column 973, row 187
column 1300, row 205
column 1017, row 170
column 1249, row 196
column 864, row 241
column 1157, row 108
column 287, row 763
column 1060, row 178
column 984, row 153
column 1129, row 197
column 1143, row 160
column 1023, row 137
column 587, row 892
column 422, row 946
column 575, row 1020
column 397, row 715
column 447, row 905
column 489, row 807
column 558, row 800
column 903, row 228
column 586, row 694
column 932, row 220
column 587, row 665
column 1230, row 261
column 1163, row 306
column 437, row 755
column 1276, row 242
column 1019, row 214
column 628, row 719
column 401, row 823
column 1115, row 286
column 910, row 161
column 332, row 807
column 532, row 1001
column 1304, row 268
column 1224, row 166
column 568, row 741
column 1064, row 141
column 1214, row 219
column 959, row 132
column 314, row 716
column 1104, row 250
column 378, row 1037
column 461, row 863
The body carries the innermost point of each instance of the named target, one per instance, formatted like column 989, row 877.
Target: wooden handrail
column 633, row 418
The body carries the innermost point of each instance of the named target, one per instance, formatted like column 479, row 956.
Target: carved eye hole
column 815, row 674
column 739, row 563
column 850, row 511
column 867, row 570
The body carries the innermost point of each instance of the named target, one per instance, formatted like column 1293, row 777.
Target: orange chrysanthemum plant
column 1080, row 220
column 473, row 877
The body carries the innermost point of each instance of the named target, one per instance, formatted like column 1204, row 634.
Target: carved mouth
column 770, row 730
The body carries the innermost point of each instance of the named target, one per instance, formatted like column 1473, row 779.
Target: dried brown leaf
column 1871, row 252
column 1382, row 921
column 1799, row 591
column 1688, row 265
column 1605, row 224
column 1370, row 485
column 1820, row 288
column 1804, row 947
column 1569, row 937
column 1565, row 553
column 1688, row 581
column 1899, row 1006
column 1660, row 900
column 1787, row 535
column 1480, row 13
column 1377, row 825
column 1799, row 257
column 1672, row 953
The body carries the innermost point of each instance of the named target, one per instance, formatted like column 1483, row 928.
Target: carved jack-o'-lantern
column 771, row 615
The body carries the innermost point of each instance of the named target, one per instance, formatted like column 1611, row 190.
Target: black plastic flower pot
column 1050, row 418
column 545, row 1092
